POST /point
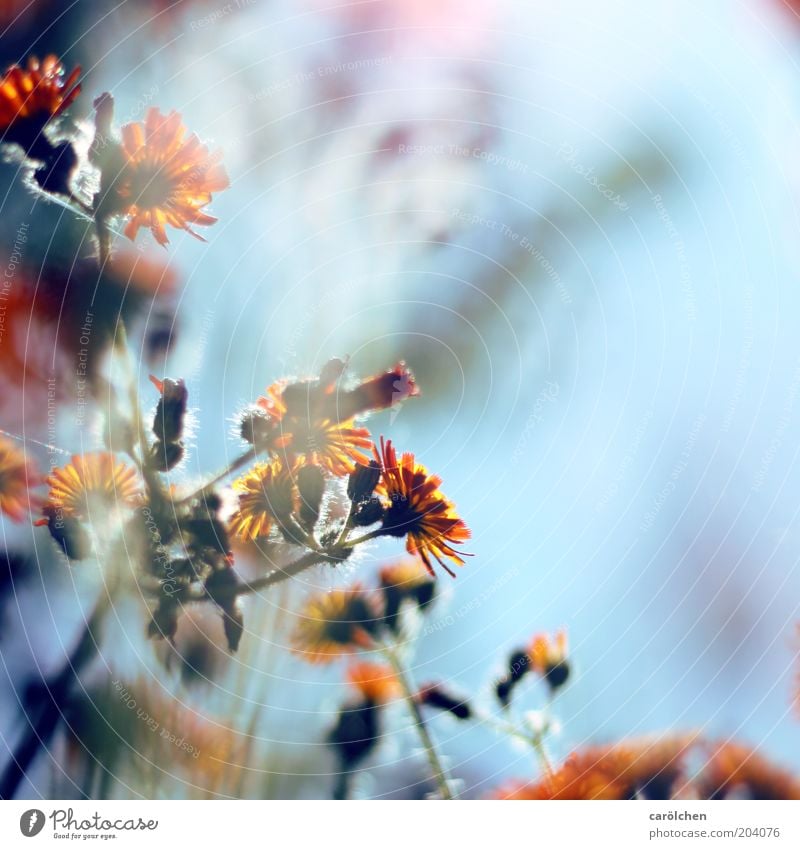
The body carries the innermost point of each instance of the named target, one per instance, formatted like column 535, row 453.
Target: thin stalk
column 283, row 573
column 437, row 769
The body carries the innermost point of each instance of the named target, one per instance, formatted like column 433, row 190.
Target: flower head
column 335, row 623
column 91, row 480
column 266, row 496
column 165, row 177
column 548, row 657
column 419, row 511
column 648, row 769
column 736, row 771
column 375, row 682
column 32, row 96
column 17, row 476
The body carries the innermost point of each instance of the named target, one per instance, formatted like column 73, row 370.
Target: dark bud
column 394, row 596
column 55, row 175
column 557, row 675
column 257, row 428
column 311, row 486
column 377, row 393
column 435, row 696
column 208, row 533
column 233, row 622
column 165, row 455
column 362, row 481
column 171, row 409
column 164, row 621
column 518, row 666
column 355, row 734
column 368, row 513
column 69, row 535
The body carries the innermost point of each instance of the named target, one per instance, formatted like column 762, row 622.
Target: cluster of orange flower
column 152, row 173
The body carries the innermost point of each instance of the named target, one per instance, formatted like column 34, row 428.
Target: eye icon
column 31, row 822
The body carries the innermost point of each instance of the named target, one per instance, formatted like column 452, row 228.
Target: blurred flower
column 32, row 96
column 162, row 176
column 648, row 769
column 548, row 658
column 436, row 695
column 96, row 479
column 18, row 475
column 265, row 497
column 376, row 682
column 419, row 511
column 404, row 581
column 335, row 623
column 737, row 771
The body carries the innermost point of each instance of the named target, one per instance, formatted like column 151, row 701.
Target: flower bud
column 257, row 428
column 362, row 481
column 311, row 486
column 165, row 455
column 68, row 533
column 164, row 621
column 171, row 409
column 368, row 513
column 435, row 696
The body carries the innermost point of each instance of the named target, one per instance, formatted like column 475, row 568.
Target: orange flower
column 548, row 658
column 17, row 476
column 91, row 480
column 165, row 177
column 419, row 511
column 737, row 771
column 376, row 682
column 266, row 495
column 30, row 97
column 647, row 769
column 296, row 422
column 335, row 623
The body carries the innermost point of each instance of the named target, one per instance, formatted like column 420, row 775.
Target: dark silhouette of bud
column 518, row 666
column 165, row 455
column 170, row 410
column 311, row 486
column 368, row 513
column 362, row 481
column 330, row 373
column 56, row 173
column 401, row 583
column 68, row 533
column 435, row 696
column 258, row 428
column 354, row 736
column 233, row 623
column 378, row 393
column 164, row 621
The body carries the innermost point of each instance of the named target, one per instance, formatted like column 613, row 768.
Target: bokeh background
column 578, row 224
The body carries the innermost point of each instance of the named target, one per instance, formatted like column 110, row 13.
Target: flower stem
column 437, row 769
column 283, row 573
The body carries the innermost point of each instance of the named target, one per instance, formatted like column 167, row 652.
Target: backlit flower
column 300, row 428
column 166, row 177
column 406, row 581
column 735, row 771
column 265, row 496
column 17, row 476
column 419, row 511
column 32, row 96
column 335, row 623
column 376, row 682
column 91, row 481
column 548, row 658
column 649, row 769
